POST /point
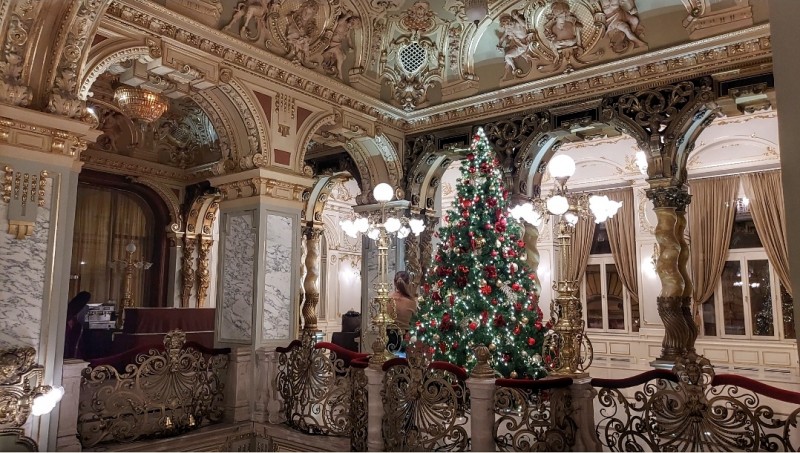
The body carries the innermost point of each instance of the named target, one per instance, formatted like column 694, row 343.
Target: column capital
column 669, row 197
column 282, row 186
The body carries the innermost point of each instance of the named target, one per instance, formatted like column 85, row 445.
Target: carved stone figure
column 514, row 41
column 334, row 55
column 419, row 17
column 622, row 24
column 562, row 28
column 302, row 29
column 249, row 10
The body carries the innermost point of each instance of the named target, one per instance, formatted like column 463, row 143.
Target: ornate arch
column 320, row 194
column 111, row 52
column 377, row 161
column 170, row 199
column 306, row 133
column 665, row 121
column 230, row 142
column 425, row 176
column 258, row 138
column 202, row 213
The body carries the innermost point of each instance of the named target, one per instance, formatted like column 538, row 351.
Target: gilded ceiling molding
column 170, row 199
column 51, row 141
column 730, row 51
column 320, row 194
column 307, row 131
column 124, row 165
column 259, row 153
column 228, row 146
column 72, row 50
column 426, row 175
column 18, row 18
column 147, row 16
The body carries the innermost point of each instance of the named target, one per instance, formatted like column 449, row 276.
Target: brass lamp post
column 380, row 229
column 568, row 345
column 128, row 266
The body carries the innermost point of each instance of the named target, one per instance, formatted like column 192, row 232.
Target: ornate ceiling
column 421, row 53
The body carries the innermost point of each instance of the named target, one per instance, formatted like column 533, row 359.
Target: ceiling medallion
column 139, row 104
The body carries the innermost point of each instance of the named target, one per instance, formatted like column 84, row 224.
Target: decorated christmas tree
column 479, row 290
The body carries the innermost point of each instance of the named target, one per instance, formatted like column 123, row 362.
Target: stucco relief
column 312, row 33
column 564, row 35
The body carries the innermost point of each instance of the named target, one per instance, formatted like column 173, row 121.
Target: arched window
column 604, row 297
column 111, row 213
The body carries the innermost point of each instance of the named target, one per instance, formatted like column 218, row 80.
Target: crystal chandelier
column 140, row 104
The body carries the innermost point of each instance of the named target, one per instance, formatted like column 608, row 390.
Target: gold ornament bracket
column 24, row 191
column 19, row 385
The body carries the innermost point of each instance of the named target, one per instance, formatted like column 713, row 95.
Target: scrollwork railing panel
column 426, row 404
column 695, row 410
column 359, row 411
column 163, row 393
column 315, row 382
column 534, row 415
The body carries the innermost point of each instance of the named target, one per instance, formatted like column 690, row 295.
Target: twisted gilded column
column 202, row 270
column 426, row 244
column 311, row 280
column 413, row 263
column 531, row 237
column 667, row 201
column 683, row 266
column 187, row 269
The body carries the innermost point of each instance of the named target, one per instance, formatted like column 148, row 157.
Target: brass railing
column 165, row 391
column 315, row 382
column 534, row 415
column 692, row 409
column 426, row 404
column 359, row 411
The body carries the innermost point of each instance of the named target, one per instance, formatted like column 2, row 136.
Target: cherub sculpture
column 301, row 31
column 334, row 54
column 562, row 29
column 514, row 41
column 622, row 24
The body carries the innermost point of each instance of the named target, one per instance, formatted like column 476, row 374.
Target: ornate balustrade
column 20, row 384
column 152, row 391
column 426, row 404
column 359, row 405
column 534, row 415
column 692, row 409
column 318, row 385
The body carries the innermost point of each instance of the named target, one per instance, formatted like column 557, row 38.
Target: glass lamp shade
column 476, row 10
column 571, row 218
column 526, row 212
column 602, row 208
column 361, row 224
column 641, row 162
column 392, row 224
column 416, row 225
column 557, row 204
column 45, row 403
column 130, row 248
column 349, row 228
column 383, row 193
column 374, row 233
column 561, row 166
column 403, row 232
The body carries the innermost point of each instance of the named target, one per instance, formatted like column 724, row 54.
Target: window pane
column 594, row 298
column 744, row 234
column 787, row 305
column 600, row 244
column 761, row 312
column 616, row 307
column 732, row 298
column 710, row 317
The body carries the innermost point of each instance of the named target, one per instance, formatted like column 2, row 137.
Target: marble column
column 40, row 161
column 259, row 260
column 374, row 410
column 68, row 407
column 481, row 394
column 672, row 300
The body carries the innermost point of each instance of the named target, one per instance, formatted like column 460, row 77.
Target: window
column 604, row 297
column 749, row 301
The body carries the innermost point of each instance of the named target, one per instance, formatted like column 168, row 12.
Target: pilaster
column 374, row 410
column 40, row 165
column 68, row 407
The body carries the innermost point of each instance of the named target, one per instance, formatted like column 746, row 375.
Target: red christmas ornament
column 472, row 170
column 471, row 233
column 443, row 347
column 521, row 243
column 538, row 325
column 499, row 321
column 512, row 267
column 466, row 204
column 473, row 326
column 515, row 286
column 491, row 272
column 452, row 299
column 494, row 253
column 463, row 269
column 465, row 214
column 486, row 290
column 484, row 316
column 487, row 226
column 517, row 330
column 471, row 156
column 531, row 341
column 494, row 301
column 518, row 306
column 433, row 323
column 491, row 202
column 455, row 346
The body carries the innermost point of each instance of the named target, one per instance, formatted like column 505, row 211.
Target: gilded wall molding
column 131, row 51
column 21, row 17
column 261, row 186
column 73, row 42
column 170, row 199
column 41, row 138
column 24, row 192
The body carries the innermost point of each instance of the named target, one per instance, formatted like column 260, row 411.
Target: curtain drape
column 622, row 238
column 106, row 221
column 710, row 218
column 581, row 246
column 765, row 192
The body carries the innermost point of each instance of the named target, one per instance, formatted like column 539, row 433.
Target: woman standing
column 403, row 308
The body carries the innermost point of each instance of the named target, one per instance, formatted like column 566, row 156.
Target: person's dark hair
column 77, row 303
column 402, row 282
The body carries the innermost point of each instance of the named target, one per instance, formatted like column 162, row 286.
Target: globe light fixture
column 476, row 10
column 557, row 204
column 380, row 228
column 561, row 166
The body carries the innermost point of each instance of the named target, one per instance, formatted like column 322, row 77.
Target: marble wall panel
column 23, row 264
column 237, row 279
column 278, row 297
